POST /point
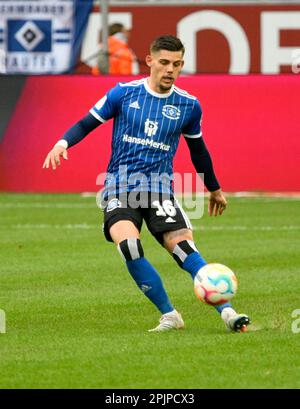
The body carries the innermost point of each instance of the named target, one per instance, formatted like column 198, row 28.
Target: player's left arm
column 203, row 163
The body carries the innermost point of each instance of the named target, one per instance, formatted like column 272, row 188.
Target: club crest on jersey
column 151, row 127
column 171, row 112
column 113, row 204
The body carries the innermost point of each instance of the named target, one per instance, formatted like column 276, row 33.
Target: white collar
column 157, row 94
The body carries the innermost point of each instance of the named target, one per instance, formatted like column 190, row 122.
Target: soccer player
column 150, row 115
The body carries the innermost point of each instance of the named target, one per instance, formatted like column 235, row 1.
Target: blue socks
column 220, row 308
column 193, row 263
column 149, row 281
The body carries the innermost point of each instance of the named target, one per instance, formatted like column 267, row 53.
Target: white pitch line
column 86, row 226
column 41, row 205
column 83, row 226
column 248, row 228
column 228, row 194
column 47, row 205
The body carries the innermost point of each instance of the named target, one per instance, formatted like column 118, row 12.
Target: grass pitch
column 75, row 318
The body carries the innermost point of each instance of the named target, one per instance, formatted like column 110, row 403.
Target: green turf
column 75, row 318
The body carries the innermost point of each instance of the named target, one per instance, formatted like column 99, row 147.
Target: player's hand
column 53, row 157
column 216, row 203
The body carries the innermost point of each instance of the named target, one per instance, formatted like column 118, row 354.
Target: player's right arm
column 103, row 110
column 74, row 135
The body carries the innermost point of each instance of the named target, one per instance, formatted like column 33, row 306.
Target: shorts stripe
column 186, row 219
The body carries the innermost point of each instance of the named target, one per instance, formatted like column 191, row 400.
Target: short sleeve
column 107, row 107
column 193, row 128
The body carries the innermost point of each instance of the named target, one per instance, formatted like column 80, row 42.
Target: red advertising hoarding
column 250, row 124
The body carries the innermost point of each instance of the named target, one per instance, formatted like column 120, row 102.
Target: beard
column 165, row 88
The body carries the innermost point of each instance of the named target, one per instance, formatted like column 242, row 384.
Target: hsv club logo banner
column 40, row 37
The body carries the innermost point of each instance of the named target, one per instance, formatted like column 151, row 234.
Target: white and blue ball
column 215, row 284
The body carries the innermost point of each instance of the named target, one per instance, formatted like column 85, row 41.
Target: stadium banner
column 41, row 37
column 253, row 37
column 250, row 125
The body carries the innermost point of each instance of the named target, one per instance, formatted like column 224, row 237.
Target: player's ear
column 148, row 60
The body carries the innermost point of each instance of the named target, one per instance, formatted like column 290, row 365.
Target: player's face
column 165, row 66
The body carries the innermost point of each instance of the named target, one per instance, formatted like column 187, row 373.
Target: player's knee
column 172, row 238
column 182, row 250
column 131, row 249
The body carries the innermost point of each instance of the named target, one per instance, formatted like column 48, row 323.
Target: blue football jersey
column 146, row 131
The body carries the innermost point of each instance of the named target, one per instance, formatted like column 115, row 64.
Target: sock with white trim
column 188, row 257
column 144, row 274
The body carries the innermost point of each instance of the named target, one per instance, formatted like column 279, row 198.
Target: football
column 215, row 284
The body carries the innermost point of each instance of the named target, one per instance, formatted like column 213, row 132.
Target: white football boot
column 168, row 321
column 235, row 322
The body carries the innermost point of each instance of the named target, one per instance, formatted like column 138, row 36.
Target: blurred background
column 57, row 58
column 71, row 313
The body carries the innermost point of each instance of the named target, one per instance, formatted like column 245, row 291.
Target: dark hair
column 167, row 42
column 115, row 28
